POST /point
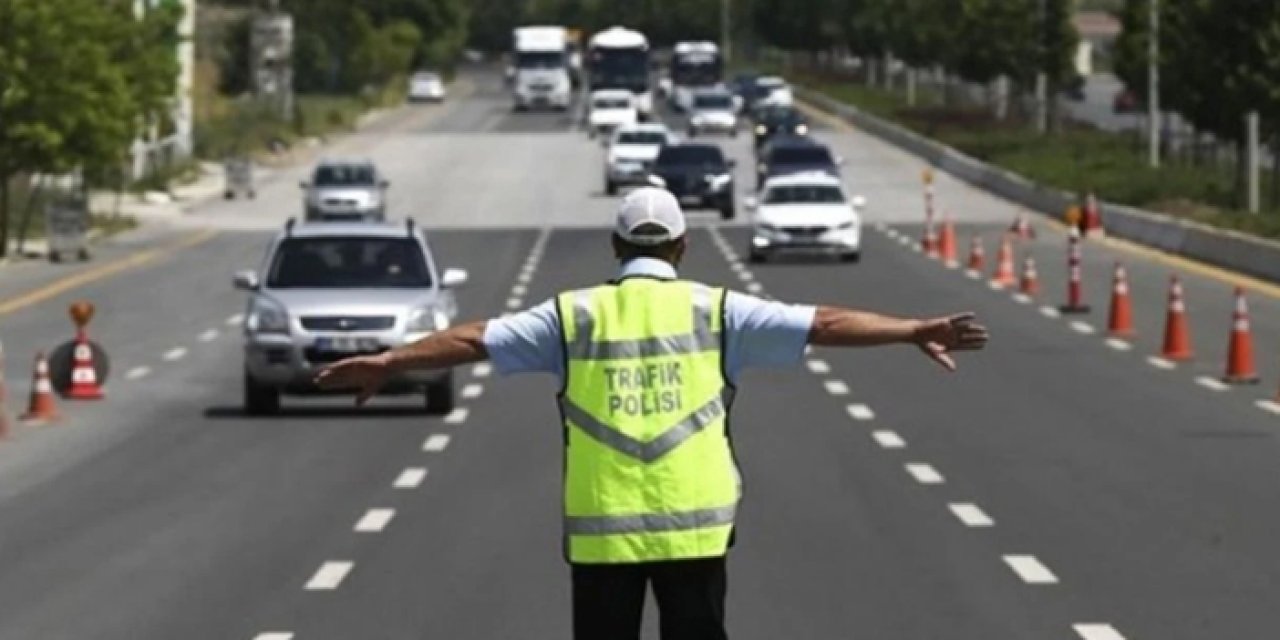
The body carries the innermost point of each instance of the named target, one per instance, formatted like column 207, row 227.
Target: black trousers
column 608, row 599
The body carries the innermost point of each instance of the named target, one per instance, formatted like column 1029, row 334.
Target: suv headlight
column 761, row 129
column 267, row 316
column 426, row 319
column 718, row 182
column 802, row 129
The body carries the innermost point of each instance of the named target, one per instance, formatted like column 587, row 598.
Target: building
column 160, row 147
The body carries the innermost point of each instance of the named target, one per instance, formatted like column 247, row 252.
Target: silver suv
column 329, row 291
column 345, row 190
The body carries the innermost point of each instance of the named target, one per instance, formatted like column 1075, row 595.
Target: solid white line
column 209, row 336
column 410, row 478
column 176, row 353
column 435, row 442
column 860, row 412
column 1031, row 570
column 1212, row 384
column 375, row 520
column 235, row 319
column 1270, row 406
column 457, row 416
column 924, row 473
column 137, row 372
column 754, row 287
column 889, row 440
column 514, row 303
column 482, row 370
column 519, row 290
column 1097, row 631
column 1021, row 298
column 1082, row 327
column 1050, row 312
column 1118, row 344
column 472, row 391
column 1161, row 363
column 970, row 514
column 836, row 387
column 329, row 575
column 818, row 366
column 274, row 635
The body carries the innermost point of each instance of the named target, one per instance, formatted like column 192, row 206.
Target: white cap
column 649, row 208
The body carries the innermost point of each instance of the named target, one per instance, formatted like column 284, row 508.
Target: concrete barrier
column 1246, row 254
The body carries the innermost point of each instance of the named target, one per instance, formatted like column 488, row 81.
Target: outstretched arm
column 937, row 338
column 449, row 348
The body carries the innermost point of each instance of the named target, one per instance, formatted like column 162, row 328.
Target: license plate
column 690, row 200
column 346, row 345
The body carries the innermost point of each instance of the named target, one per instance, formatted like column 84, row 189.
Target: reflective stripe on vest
column 649, row 472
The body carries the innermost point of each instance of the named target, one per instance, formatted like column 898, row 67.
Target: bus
column 694, row 66
column 618, row 58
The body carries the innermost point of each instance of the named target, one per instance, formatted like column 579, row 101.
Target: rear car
column 774, row 90
column 771, row 121
column 330, row 291
column 609, row 109
column 631, row 153
column 806, row 213
column 345, row 190
column 426, row 86
column 713, row 111
column 698, row 175
column 785, row 156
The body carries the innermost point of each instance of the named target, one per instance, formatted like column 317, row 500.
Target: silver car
column 329, row 291
column 345, row 190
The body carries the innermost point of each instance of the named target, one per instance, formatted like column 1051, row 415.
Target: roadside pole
column 1251, row 125
column 1153, row 85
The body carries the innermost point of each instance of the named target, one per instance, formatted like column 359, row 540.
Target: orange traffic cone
column 977, row 255
column 1092, row 219
column 1177, row 335
column 1004, row 276
column 84, row 377
column 1022, row 228
column 1240, row 368
column 930, row 241
column 1075, row 285
column 41, row 409
column 1030, row 284
column 947, row 245
column 1120, row 320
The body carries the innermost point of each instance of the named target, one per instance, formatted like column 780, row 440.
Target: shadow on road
column 238, row 413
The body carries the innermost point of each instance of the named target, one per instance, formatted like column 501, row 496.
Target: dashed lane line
column 1161, row 363
column 525, row 276
column 970, row 515
column 1212, row 384
column 1118, row 344
column 924, row 473
column 137, row 372
column 472, row 391
column 410, row 478
column 435, row 443
column 457, row 416
column 889, row 440
column 1270, row 406
column 1030, row 569
column 1050, row 312
column 482, row 370
column 818, row 366
column 330, row 575
column 374, row 520
column 836, row 387
column 175, row 354
column 274, row 635
column 1022, row 298
column 1096, row 631
column 973, row 275
column 1085, row 328
column 754, row 288
column 235, row 319
column 514, row 303
column 519, row 290
column 745, row 276
column 860, row 412
column 209, row 336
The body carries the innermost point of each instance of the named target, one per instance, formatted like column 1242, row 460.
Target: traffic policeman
column 648, row 364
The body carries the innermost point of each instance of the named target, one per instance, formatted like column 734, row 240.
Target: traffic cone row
column 41, row 408
column 85, row 385
column 1004, row 276
column 977, row 255
column 947, row 243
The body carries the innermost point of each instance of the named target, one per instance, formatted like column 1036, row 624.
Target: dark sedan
column 774, row 120
column 784, row 156
column 698, row 175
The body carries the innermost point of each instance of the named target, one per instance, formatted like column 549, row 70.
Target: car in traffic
column 699, row 175
column 787, row 155
column 806, row 213
column 345, row 190
column 325, row 292
column 631, row 154
column 609, row 109
column 713, row 111
column 743, row 85
column 426, row 86
column 773, row 120
column 775, row 91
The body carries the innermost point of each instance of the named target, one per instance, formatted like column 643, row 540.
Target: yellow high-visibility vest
column 649, row 471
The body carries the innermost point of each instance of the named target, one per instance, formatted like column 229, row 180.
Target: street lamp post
column 726, row 29
column 1153, row 85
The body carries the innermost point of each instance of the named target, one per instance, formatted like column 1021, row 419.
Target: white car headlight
column 802, row 129
column 267, row 316
column 426, row 319
column 761, row 130
column 720, row 181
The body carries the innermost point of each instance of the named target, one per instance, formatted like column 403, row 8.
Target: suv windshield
column 804, row 194
column 691, row 154
column 348, row 263
column 712, row 102
column 641, row 137
column 800, row 155
column 341, row 175
column 780, row 117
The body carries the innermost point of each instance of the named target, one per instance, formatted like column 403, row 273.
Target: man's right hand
column 367, row 374
column 939, row 337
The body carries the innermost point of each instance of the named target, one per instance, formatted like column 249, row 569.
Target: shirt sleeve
column 764, row 333
column 526, row 342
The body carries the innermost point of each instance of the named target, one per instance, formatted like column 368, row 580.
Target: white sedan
column 806, row 213
column 609, row 109
column 631, row 153
column 426, row 86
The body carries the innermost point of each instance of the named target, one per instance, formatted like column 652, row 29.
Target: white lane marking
column 880, row 226
column 525, row 276
column 274, row 635
column 1118, row 344
column 374, row 520
column 1021, row 298
column 737, row 267
column 176, row 353
column 889, row 440
column 472, row 391
column 860, row 412
column 1031, row 570
column 329, row 575
column 1080, row 326
column 819, row 366
column 951, row 264
column 754, row 287
column 904, row 240
column 519, row 290
column 969, row 514
column 410, row 478
column 435, row 442
column 1161, row 363
column 137, row 372
column 746, row 276
column 1097, row 631
column 235, row 319
column 924, row 473
column 1270, row 406
column 482, row 370
column 836, row 387
column 514, row 303
column 1050, row 312
column 1212, row 384
column 457, row 416
column 972, row 275
column 209, row 336
column 995, row 285
column 916, row 248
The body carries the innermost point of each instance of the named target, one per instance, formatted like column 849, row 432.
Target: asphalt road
column 1056, row 487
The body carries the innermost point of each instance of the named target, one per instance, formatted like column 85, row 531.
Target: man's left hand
column 939, row 337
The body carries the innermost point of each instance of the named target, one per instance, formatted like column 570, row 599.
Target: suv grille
column 347, row 323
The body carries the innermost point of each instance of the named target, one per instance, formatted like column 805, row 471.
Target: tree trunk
column 1275, row 173
column 5, row 177
column 27, row 210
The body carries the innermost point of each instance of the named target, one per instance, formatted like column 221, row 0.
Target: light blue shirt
column 758, row 333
